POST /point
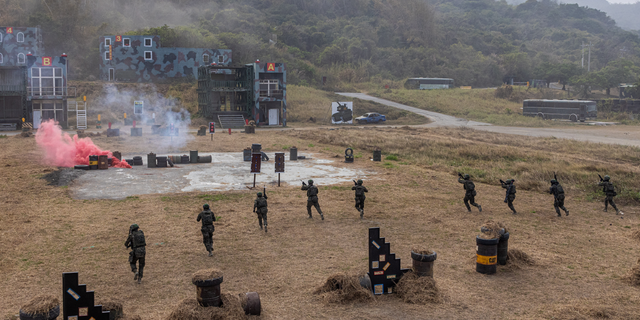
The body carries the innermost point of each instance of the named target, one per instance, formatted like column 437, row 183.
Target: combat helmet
column 310, row 182
column 554, row 181
column 359, row 182
column 606, row 178
column 133, row 227
column 259, row 194
column 466, row 176
column 205, row 206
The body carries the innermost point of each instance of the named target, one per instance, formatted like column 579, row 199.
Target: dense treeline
column 476, row 42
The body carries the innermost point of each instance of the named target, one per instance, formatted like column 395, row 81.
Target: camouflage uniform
column 360, row 197
column 207, row 229
column 558, row 193
column 470, row 193
column 312, row 198
column 511, row 194
column 609, row 191
column 137, row 243
column 261, row 205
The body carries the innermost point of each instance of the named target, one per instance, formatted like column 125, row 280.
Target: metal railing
column 271, row 93
column 12, row 88
column 53, row 91
column 230, row 84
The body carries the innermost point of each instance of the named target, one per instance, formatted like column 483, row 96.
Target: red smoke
column 63, row 151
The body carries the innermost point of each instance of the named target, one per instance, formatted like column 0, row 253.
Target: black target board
column 256, row 160
column 384, row 267
column 77, row 302
column 280, row 162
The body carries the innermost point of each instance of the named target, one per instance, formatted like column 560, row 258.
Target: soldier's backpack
column 359, row 191
column 137, row 239
column 512, row 189
column 207, row 218
column 611, row 188
column 313, row 191
column 559, row 190
column 262, row 202
column 469, row 186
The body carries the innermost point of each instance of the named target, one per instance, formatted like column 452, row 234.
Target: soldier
column 610, row 192
column 207, row 229
column 511, row 193
column 470, row 193
column 261, row 204
column 558, row 194
column 137, row 243
column 312, row 198
column 360, row 190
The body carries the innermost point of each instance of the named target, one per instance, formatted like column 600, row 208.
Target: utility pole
column 582, row 54
column 589, row 58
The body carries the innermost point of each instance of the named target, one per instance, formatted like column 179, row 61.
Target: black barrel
column 184, row 159
column 115, row 311
column 208, row 294
column 193, row 156
column 251, row 304
column 129, row 161
column 246, row 154
column 348, row 155
column 81, row 167
column 103, row 162
column 151, row 160
column 503, row 249
column 377, row 155
column 52, row 314
column 423, row 263
column 487, row 255
column 137, row 161
column 161, row 162
column 293, row 154
column 93, row 162
column 204, row 159
column 117, row 154
column 256, row 148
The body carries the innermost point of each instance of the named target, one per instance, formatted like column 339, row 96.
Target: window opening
column 106, row 56
column 220, row 59
column 20, row 37
column 1, row 58
column 205, row 58
column 46, row 82
column 107, row 42
column 0, row 37
column 111, row 74
column 126, row 42
column 20, row 57
column 147, row 42
column 148, row 55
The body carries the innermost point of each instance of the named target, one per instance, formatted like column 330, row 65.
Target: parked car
column 371, row 117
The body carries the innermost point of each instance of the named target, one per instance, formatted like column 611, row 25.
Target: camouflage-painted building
column 143, row 59
column 17, row 42
column 257, row 91
column 34, row 91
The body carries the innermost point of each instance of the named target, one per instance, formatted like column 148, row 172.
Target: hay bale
column 111, row 305
column 342, row 288
column 634, row 275
column 418, row 290
column 516, row 259
column 189, row 309
column 492, row 230
column 40, row 305
column 421, row 250
column 206, row 274
column 131, row 318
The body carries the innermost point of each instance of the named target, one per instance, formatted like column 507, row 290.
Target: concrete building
column 143, row 59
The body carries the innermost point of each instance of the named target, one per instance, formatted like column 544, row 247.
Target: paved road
column 629, row 136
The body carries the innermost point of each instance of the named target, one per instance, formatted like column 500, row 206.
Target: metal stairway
column 231, row 121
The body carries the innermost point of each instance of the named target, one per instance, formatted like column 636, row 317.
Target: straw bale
column 111, row 305
column 492, row 230
column 40, row 305
column 422, row 250
column 418, row 290
column 516, row 259
column 206, row 274
column 189, row 309
column 342, row 288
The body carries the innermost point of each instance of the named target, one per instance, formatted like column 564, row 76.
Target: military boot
column 210, row 253
column 265, row 228
column 480, row 208
column 139, row 280
column 566, row 212
column 135, row 276
column 322, row 216
column 617, row 212
column 361, row 213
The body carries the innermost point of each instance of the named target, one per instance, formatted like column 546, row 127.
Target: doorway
column 273, row 117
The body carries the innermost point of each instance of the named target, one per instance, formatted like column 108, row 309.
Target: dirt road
column 623, row 135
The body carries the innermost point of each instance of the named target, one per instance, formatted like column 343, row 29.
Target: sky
column 622, row 1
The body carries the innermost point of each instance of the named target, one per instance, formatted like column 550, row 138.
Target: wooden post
column 278, row 179
column 212, row 137
column 254, row 180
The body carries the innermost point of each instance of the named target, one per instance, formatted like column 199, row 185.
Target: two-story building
column 256, row 91
column 143, row 59
column 33, row 87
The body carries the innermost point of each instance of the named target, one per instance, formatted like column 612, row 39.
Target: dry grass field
column 580, row 261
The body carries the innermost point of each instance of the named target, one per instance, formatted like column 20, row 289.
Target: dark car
column 371, row 117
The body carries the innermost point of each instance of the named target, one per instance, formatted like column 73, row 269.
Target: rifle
column 459, row 174
column 502, row 181
column 554, row 176
column 264, row 191
column 600, row 177
column 304, row 184
column 354, row 182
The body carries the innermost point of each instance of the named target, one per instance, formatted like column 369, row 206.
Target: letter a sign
column 9, row 30
column 46, row 61
column 271, row 67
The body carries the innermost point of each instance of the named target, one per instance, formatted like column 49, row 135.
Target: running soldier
column 470, row 191
column 511, row 193
column 207, row 229
column 558, row 193
column 261, row 205
column 609, row 191
column 137, row 243
column 312, row 198
column 360, row 197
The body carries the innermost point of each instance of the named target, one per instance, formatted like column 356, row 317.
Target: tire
column 424, row 257
column 541, row 115
column 53, row 314
column 348, row 152
column 573, row 118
